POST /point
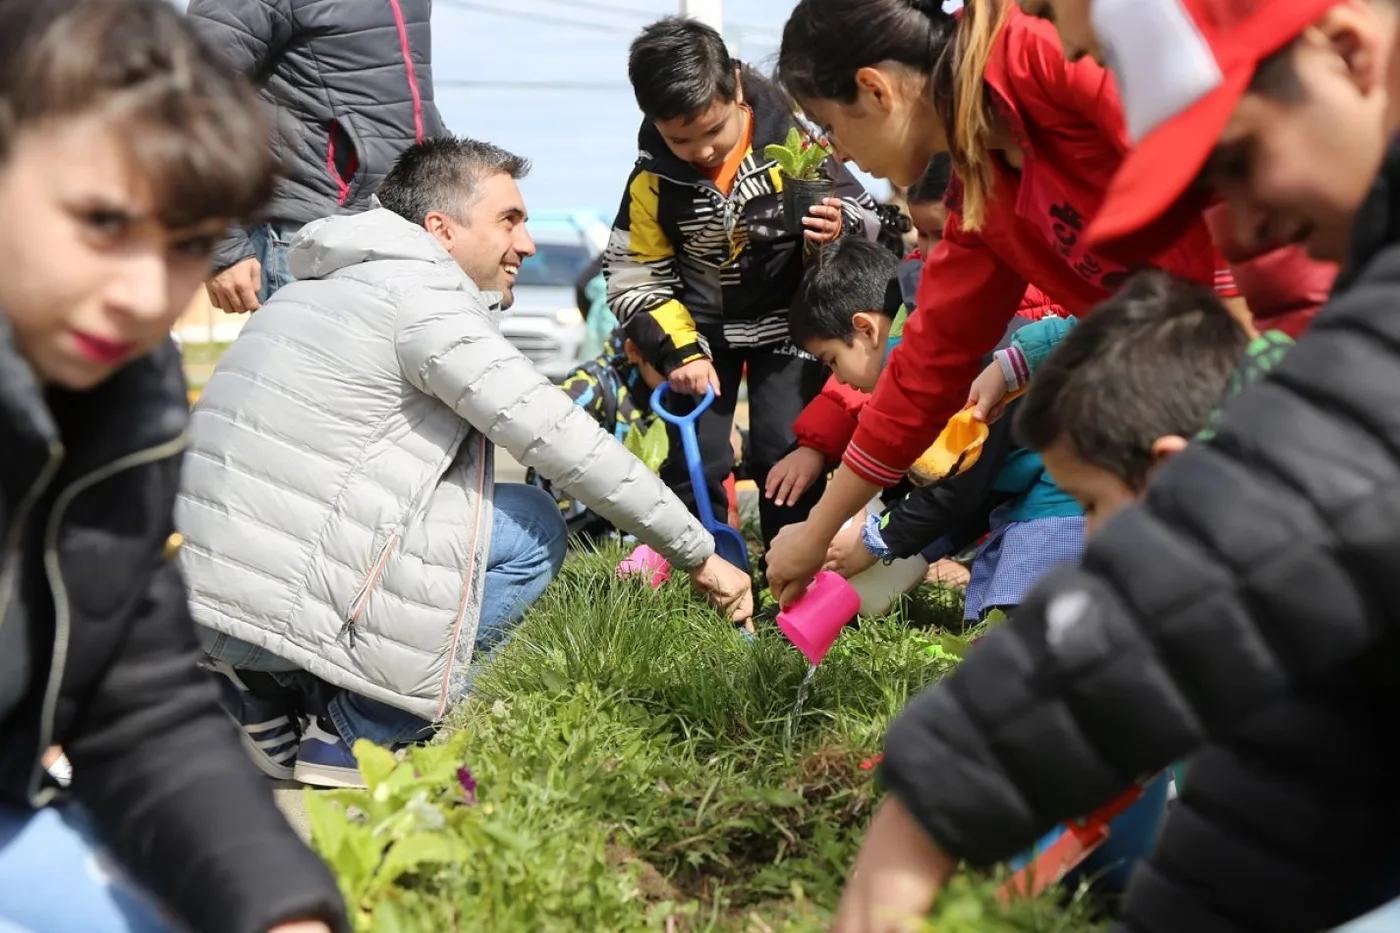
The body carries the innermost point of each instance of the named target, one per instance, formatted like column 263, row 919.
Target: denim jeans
column 55, row 875
column 528, row 539
column 270, row 244
column 1384, row 919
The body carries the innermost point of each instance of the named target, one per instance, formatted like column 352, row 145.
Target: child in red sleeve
column 1033, row 141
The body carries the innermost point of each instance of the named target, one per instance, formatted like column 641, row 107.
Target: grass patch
column 635, row 764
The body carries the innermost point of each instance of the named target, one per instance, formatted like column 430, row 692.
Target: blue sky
column 576, row 119
column 548, row 79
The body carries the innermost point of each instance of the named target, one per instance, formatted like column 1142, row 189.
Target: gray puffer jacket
column 351, row 84
column 336, row 497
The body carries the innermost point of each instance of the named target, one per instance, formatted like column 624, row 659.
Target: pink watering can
column 813, row 622
column 643, row 562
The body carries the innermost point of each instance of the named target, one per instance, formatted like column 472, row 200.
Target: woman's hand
column 823, row 221
column 794, row 558
column 301, row 926
column 897, row 875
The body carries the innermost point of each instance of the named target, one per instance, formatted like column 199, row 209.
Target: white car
column 545, row 322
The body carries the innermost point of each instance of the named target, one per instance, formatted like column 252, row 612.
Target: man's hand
column 897, row 875
column 847, row 554
column 692, row 378
column 793, row 560
column 823, row 221
column 301, row 926
column 986, row 394
column 793, row 475
column 729, row 589
column 235, row 290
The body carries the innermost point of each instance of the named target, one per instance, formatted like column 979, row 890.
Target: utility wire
column 550, row 20
column 569, row 85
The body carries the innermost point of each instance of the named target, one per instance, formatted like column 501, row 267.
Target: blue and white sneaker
column 270, row 730
column 324, row 760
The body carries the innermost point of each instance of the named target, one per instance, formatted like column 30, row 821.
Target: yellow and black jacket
column 682, row 253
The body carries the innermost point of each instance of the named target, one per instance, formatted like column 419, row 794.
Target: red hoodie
column 1066, row 121
column 829, row 420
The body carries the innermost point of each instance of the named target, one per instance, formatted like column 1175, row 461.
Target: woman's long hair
column 825, row 42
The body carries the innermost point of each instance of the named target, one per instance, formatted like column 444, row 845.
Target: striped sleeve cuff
column 1225, row 286
column 868, row 468
column 1014, row 367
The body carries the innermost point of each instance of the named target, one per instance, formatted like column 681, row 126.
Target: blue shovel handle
column 691, row 444
column 729, row 543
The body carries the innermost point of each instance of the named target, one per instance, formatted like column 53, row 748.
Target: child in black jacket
column 125, row 150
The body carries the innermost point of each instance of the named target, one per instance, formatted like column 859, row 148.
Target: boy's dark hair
column 679, row 67
column 1152, row 361
column 850, row 275
column 192, row 127
column 441, row 174
column 934, row 183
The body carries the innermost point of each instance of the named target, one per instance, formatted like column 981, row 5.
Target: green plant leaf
column 418, row 850
column 649, row 444
column 376, row 764
column 786, row 159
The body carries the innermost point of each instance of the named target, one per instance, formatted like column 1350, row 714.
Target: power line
column 609, row 8
column 550, row 20
column 570, row 85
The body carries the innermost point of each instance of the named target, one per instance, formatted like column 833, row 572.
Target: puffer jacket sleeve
column 1259, row 560
column 828, row 421
column 250, row 34
column 643, row 282
column 450, row 347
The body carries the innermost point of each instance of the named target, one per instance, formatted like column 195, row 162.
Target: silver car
column 545, row 322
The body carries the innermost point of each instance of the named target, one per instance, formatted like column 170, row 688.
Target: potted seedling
column 800, row 160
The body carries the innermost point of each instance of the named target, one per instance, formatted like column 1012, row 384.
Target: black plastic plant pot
column 799, row 197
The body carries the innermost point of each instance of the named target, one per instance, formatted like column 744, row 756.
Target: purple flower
column 464, row 777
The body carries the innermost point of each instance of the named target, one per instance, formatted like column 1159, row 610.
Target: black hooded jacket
column 1248, row 605
column 100, row 648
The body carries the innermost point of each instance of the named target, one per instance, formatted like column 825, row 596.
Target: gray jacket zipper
column 38, row 794
column 14, row 541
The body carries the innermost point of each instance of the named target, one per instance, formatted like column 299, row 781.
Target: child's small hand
column 847, row 554
column 793, row 475
column 987, row 393
column 823, row 221
column 693, row 377
column 897, row 875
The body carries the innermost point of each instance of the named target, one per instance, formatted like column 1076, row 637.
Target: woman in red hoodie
column 1034, row 140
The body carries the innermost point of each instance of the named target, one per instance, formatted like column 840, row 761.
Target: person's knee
column 533, row 509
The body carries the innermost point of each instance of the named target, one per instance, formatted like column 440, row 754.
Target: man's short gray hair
column 442, row 173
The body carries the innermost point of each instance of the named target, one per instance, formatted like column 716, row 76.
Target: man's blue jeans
column 528, row 539
column 55, row 875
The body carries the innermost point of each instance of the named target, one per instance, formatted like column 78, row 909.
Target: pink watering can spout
column 643, row 562
column 813, row 622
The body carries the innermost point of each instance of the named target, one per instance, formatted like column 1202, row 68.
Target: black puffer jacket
column 1249, row 601
column 352, row 86
column 107, row 655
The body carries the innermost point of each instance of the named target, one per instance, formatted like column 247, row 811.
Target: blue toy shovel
column 729, row 544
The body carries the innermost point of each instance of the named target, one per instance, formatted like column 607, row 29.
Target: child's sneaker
column 324, row 760
column 269, row 733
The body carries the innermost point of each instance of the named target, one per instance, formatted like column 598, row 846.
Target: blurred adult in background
column 351, row 85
